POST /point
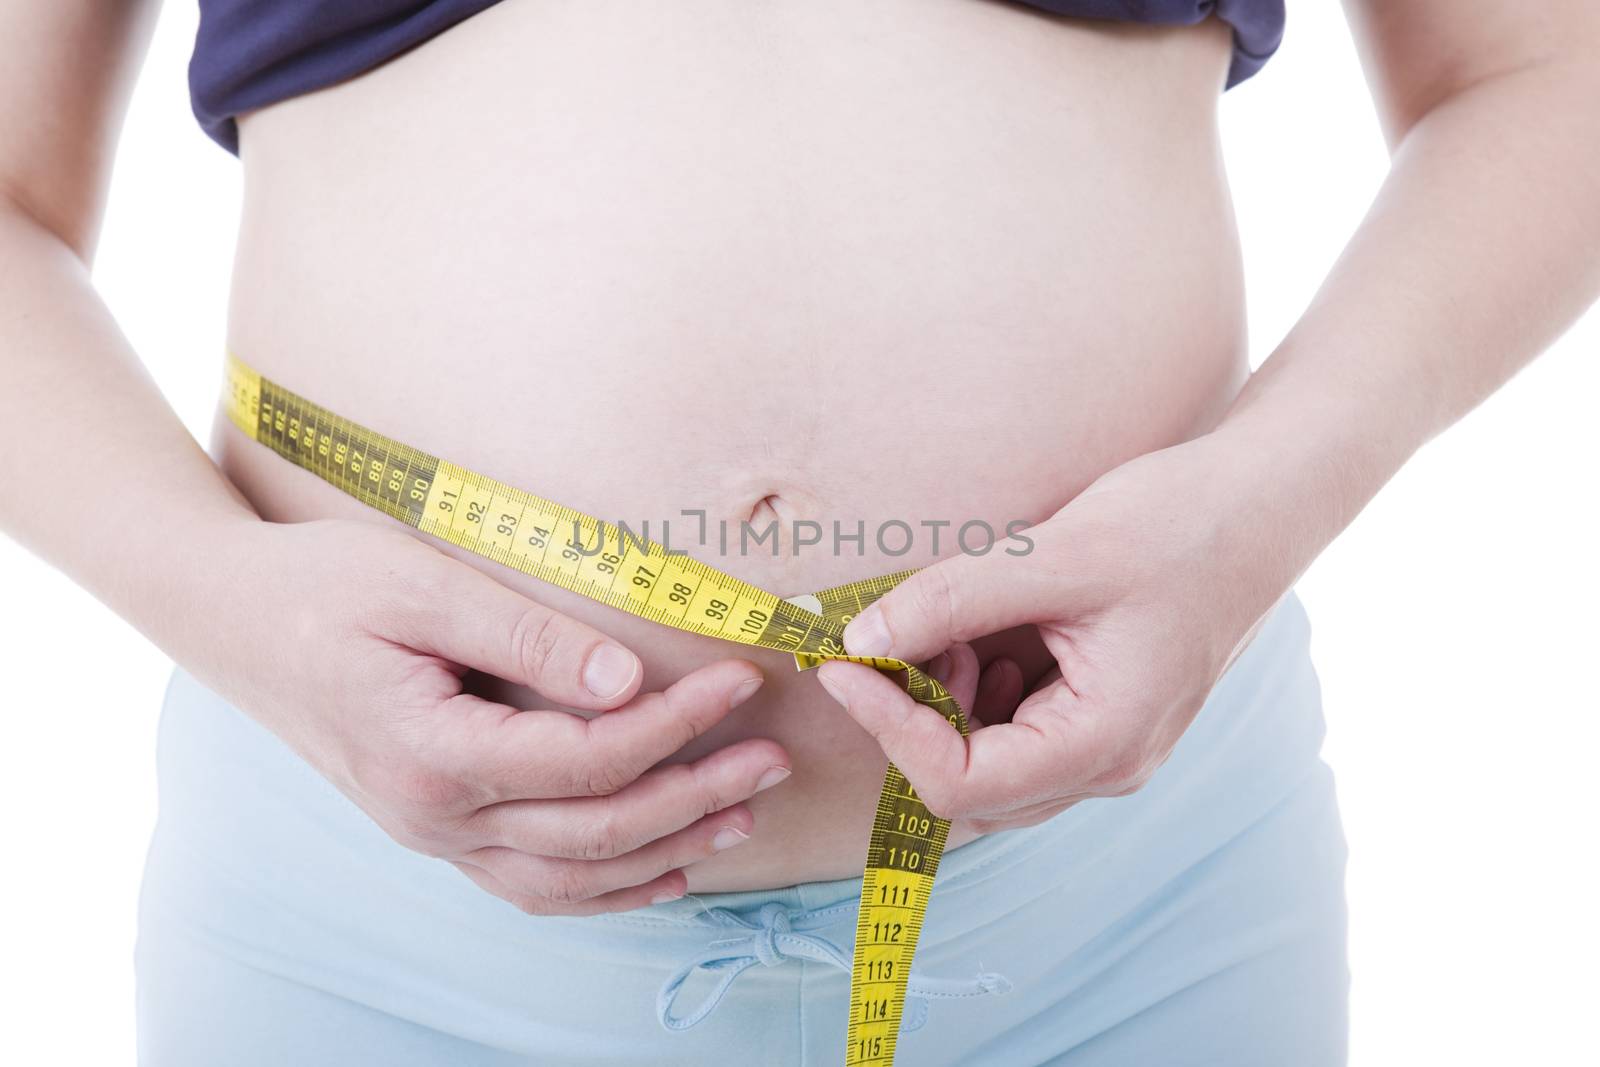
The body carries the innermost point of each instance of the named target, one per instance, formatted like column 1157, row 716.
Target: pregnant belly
column 818, row 268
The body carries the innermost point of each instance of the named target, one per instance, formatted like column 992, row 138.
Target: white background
column 1454, row 629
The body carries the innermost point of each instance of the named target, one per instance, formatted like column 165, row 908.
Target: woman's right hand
column 351, row 645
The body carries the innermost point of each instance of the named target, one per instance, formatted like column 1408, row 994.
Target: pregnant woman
column 778, row 263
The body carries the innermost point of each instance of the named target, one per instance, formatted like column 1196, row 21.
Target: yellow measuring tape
column 596, row 559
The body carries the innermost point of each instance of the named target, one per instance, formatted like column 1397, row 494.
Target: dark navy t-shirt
column 251, row 53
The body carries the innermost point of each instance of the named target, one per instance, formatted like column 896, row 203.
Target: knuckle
column 933, row 598
column 425, row 796
column 599, row 837
column 530, row 905
column 428, row 844
column 565, row 883
column 1126, row 775
column 707, row 786
column 682, row 721
column 420, row 835
column 536, row 641
column 606, row 776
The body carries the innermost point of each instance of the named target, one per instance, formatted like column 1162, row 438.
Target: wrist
column 1305, row 455
column 184, row 589
column 1335, row 423
column 1278, row 497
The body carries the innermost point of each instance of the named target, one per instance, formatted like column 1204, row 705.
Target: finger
column 621, row 745
column 660, row 802
column 956, row 668
column 669, row 886
column 460, row 613
column 534, row 755
column 958, row 599
column 998, row 769
column 916, row 739
column 567, row 881
column 999, row 692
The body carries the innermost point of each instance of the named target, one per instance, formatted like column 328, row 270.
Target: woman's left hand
column 1143, row 589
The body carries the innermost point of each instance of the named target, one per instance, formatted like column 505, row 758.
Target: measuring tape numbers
column 581, row 554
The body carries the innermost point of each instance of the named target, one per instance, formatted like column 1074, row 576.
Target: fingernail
column 666, row 896
column 729, row 836
column 833, row 690
column 609, row 671
column 745, row 691
column 772, row 777
column 867, row 635
column 939, row 666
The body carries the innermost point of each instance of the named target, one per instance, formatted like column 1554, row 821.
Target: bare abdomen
column 906, row 260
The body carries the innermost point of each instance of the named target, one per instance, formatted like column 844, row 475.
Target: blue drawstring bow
column 774, row 937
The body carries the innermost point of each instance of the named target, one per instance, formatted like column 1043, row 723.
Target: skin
column 1479, row 249
column 404, row 673
column 803, row 241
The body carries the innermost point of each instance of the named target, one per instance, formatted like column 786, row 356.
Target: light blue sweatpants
column 1199, row 921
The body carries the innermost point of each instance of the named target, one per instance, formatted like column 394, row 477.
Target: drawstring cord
column 773, row 937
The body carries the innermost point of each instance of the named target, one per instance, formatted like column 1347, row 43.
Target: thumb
column 958, row 599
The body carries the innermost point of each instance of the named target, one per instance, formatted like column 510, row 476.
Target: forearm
column 100, row 477
column 1481, row 247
